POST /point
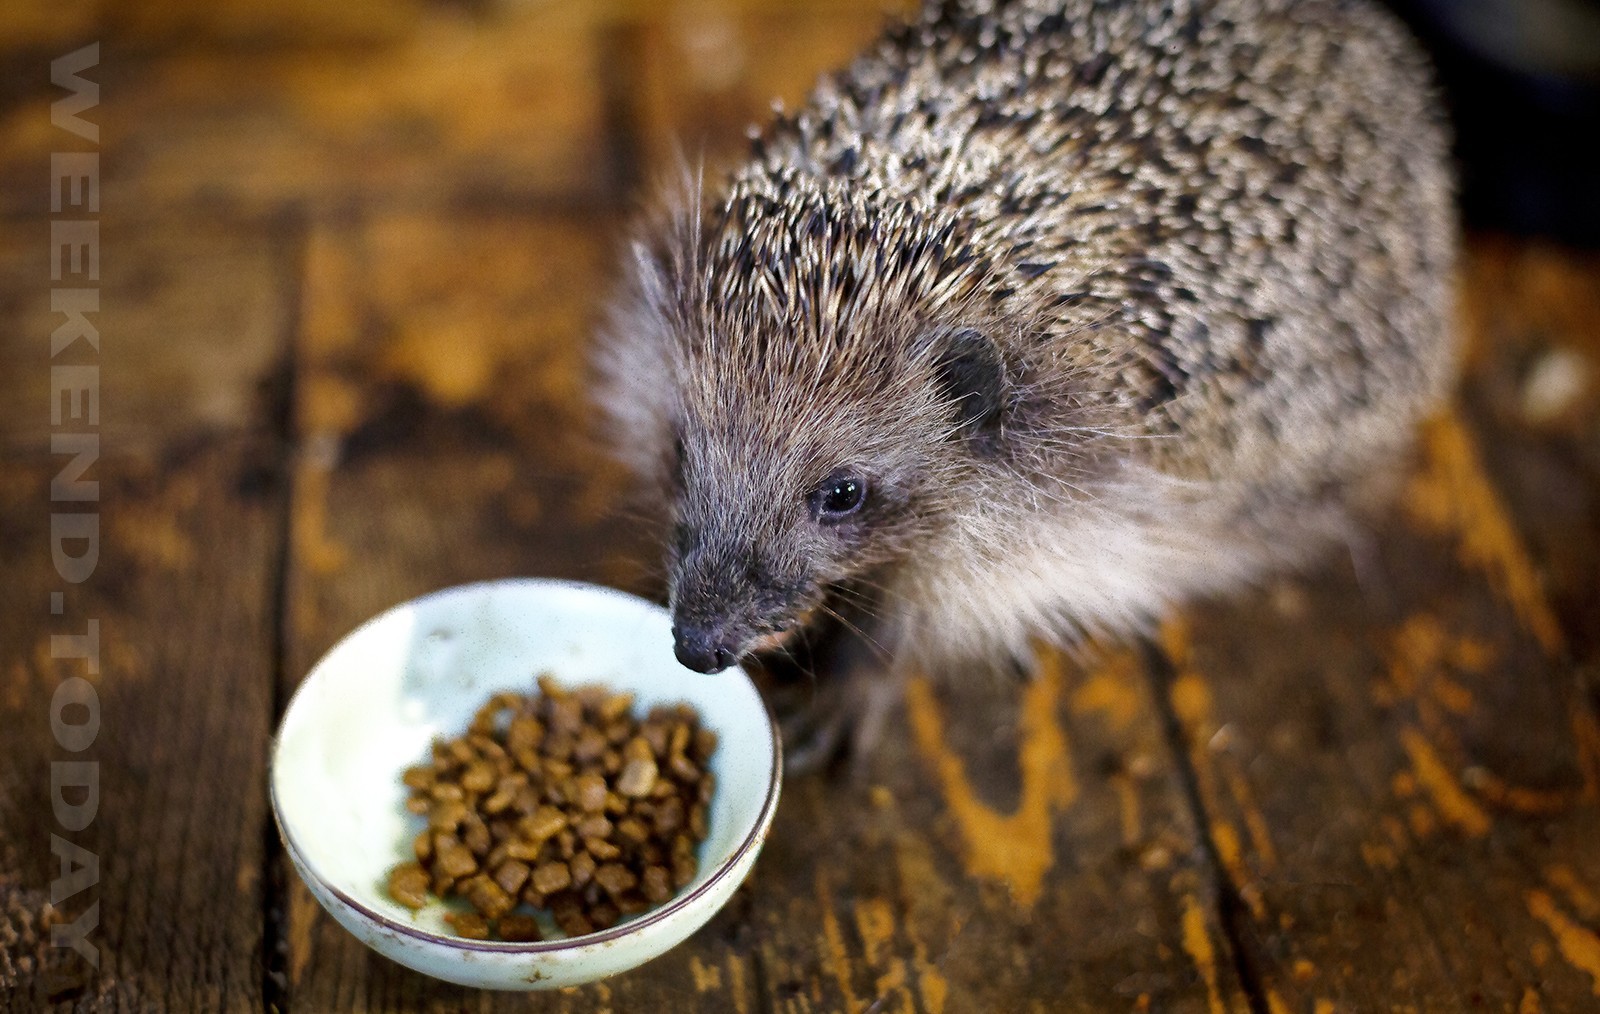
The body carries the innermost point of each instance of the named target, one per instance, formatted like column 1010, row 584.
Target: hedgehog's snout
column 703, row 649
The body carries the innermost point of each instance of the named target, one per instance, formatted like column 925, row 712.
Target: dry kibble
column 683, row 769
column 470, row 925
column 590, row 746
column 582, row 867
column 601, row 849
column 478, row 777
column 563, row 801
column 594, row 826
column 452, row 858
column 511, row 875
column 638, row 777
column 524, row 851
column 656, row 884
column 590, row 792
column 668, row 817
column 446, row 816
column 408, row 884
column 615, row 878
column 705, row 744
column 524, row 735
column 654, row 735
column 551, row 877
column 684, row 869
column 475, row 835
column 447, row 792
column 419, row 777
column 518, row 929
column 544, row 823
column 489, row 897
column 604, row 914
column 632, row 903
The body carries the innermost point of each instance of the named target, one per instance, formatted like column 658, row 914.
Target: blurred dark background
column 1522, row 78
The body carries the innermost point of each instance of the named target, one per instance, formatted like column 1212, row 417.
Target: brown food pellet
column 638, row 777
column 582, row 867
column 470, row 925
column 489, row 897
column 615, row 878
column 551, row 877
column 656, row 884
column 518, row 929
column 511, row 875
column 604, row 914
column 408, row 884
column 452, row 858
column 564, row 800
column 591, row 792
column 419, row 777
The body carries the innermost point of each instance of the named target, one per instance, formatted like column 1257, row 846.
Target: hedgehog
column 1038, row 320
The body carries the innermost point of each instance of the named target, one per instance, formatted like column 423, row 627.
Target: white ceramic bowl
column 372, row 705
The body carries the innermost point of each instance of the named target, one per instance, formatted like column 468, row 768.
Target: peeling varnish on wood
column 1197, row 944
column 1111, row 689
column 707, row 978
column 835, row 956
column 1420, row 655
column 876, row 924
column 926, row 895
column 1017, row 849
column 736, row 984
column 1191, row 701
column 1452, row 495
column 1582, row 896
column 1578, row 944
column 1449, row 798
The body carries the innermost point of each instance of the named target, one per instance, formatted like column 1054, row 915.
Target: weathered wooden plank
column 1534, row 313
column 189, row 517
column 190, row 322
column 508, row 101
column 183, row 596
column 1035, row 850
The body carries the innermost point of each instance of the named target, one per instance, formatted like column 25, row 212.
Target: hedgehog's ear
column 971, row 374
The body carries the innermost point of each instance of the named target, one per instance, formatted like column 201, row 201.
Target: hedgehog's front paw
column 833, row 720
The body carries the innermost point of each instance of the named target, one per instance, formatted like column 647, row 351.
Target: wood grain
column 183, row 598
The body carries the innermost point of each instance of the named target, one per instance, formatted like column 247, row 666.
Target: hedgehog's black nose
column 702, row 650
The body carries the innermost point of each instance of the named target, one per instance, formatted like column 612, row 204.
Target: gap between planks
column 1231, row 909
column 282, row 412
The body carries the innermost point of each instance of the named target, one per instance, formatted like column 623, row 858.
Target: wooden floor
column 349, row 255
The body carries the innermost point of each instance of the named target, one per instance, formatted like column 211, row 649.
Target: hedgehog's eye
column 838, row 498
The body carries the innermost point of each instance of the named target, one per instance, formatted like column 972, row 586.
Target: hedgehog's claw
column 835, row 721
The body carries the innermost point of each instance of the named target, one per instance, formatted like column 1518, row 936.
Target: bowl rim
column 753, row 839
